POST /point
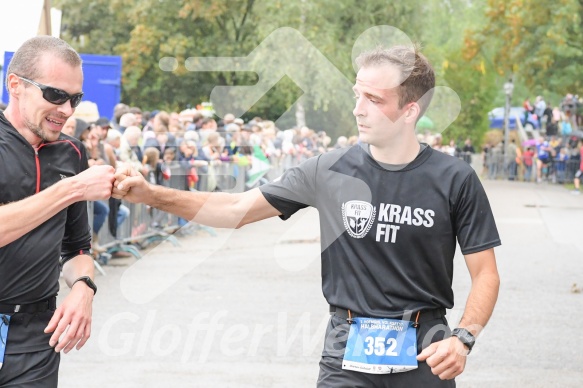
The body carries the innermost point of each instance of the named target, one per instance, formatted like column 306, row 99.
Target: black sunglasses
column 54, row 95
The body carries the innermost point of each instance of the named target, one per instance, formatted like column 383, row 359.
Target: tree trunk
column 300, row 113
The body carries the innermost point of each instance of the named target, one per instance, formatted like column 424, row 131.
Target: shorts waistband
column 38, row 307
column 424, row 315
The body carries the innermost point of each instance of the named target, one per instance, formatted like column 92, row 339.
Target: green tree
column 332, row 27
column 473, row 78
column 538, row 42
column 94, row 27
column 155, row 37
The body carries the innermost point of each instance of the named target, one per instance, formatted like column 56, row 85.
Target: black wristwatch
column 465, row 336
column 87, row 280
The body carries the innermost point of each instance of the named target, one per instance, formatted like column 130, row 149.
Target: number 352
column 378, row 346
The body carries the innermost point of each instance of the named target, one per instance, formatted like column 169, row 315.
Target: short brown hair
column 151, row 156
column 26, row 59
column 418, row 75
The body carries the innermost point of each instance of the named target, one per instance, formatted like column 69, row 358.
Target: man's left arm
column 71, row 322
column 447, row 358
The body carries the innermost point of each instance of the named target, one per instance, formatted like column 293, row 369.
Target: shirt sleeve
column 474, row 222
column 294, row 190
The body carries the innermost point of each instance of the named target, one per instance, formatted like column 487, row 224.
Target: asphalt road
column 245, row 308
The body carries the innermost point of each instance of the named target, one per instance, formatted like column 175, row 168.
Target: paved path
column 245, row 308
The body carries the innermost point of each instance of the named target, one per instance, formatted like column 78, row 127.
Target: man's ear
column 412, row 113
column 12, row 84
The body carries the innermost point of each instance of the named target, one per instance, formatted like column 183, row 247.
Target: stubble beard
column 39, row 132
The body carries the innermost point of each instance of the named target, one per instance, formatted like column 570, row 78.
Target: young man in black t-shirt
column 391, row 211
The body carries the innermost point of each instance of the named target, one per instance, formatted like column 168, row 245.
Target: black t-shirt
column 389, row 237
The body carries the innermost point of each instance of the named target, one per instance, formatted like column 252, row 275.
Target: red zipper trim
column 65, row 141
column 37, row 170
column 38, row 161
column 72, row 145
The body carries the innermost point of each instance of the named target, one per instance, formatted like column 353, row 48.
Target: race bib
column 380, row 346
column 4, row 322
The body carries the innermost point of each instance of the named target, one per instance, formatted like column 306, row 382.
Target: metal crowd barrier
column 145, row 225
column 554, row 172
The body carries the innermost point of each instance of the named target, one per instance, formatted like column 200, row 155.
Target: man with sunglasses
column 44, row 185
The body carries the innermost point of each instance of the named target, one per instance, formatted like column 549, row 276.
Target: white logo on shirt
column 358, row 217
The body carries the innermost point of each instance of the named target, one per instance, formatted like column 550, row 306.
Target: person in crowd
column 161, row 139
column 70, row 126
column 130, row 150
column 152, row 165
column 561, row 165
column 495, row 161
column 544, row 156
column 577, row 179
column 341, row 142
column 452, row 149
column 486, row 150
column 569, row 107
column 118, row 111
column 468, row 150
column 528, row 161
column 213, row 149
column 539, row 109
column 190, row 162
column 127, row 120
column 528, row 108
column 100, row 152
column 208, row 126
column 511, row 162
column 120, row 211
column 387, row 246
column 44, row 228
column 138, row 114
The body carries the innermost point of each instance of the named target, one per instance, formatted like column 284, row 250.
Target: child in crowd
column 152, row 164
column 527, row 158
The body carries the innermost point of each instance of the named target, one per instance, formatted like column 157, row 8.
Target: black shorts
column 31, row 370
column 29, row 361
column 333, row 376
column 578, row 174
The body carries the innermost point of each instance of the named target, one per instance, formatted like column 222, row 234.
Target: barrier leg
column 99, row 267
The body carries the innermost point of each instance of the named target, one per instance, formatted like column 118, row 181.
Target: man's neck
column 13, row 117
column 396, row 152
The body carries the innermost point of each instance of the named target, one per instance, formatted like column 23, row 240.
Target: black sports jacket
column 29, row 266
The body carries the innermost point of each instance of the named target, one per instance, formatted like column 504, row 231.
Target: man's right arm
column 221, row 210
column 19, row 218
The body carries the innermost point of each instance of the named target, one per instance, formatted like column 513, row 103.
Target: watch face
column 465, row 336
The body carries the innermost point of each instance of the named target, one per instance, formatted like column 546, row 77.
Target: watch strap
column 87, row 280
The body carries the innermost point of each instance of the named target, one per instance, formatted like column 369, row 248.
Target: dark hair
column 207, row 120
column 119, row 110
column 418, row 76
